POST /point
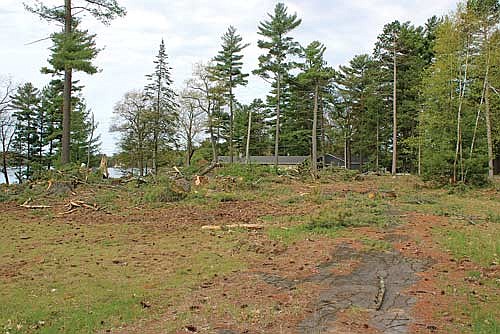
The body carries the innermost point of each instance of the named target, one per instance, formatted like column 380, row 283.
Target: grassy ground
column 138, row 259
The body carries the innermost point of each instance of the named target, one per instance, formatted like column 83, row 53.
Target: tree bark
column 394, row 114
column 491, row 157
column 377, row 168
column 66, row 131
column 212, row 138
column 249, row 131
column 90, row 140
column 323, row 139
column 231, row 121
column 314, row 159
column 458, row 150
column 276, row 140
column 485, row 88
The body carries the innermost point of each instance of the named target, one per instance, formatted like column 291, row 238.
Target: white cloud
column 192, row 30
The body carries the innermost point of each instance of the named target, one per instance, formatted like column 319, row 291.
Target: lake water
column 114, row 173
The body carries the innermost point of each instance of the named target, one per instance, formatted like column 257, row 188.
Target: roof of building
column 267, row 160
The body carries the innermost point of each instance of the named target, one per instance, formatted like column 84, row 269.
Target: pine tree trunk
column 51, row 149
column 394, row 114
column 314, row 160
column 377, row 168
column 323, row 139
column 249, row 131
column 66, row 131
column 419, row 154
column 276, row 140
column 90, row 140
column 28, row 152
column 231, row 121
column 345, row 150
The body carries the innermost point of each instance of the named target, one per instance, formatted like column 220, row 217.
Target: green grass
column 480, row 245
column 71, row 278
column 484, row 322
column 335, row 215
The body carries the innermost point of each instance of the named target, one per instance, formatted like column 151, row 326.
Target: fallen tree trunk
column 35, row 206
column 230, row 226
column 208, row 169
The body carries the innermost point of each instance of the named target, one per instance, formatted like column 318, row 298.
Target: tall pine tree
column 68, row 46
column 316, row 75
column 162, row 98
column 275, row 64
column 26, row 105
column 228, row 71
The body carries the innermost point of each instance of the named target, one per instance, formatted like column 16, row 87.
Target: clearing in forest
column 341, row 255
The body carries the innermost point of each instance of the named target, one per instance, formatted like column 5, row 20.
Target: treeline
column 31, row 128
column 425, row 101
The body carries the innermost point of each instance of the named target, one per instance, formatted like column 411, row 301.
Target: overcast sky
column 192, row 30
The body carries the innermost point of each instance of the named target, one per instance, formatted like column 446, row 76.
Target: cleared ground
column 342, row 255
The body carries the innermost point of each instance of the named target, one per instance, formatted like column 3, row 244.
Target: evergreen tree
column 276, row 63
column 316, row 75
column 73, row 49
column 252, row 130
column 353, row 83
column 162, row 99
column 82, row 129
column 51, row 104
column 26, row 105
column 402, row 55
column 228, row 71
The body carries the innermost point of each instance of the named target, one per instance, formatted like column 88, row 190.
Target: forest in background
column 426, row 101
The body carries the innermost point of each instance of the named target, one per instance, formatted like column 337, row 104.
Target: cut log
column 230, row 226
column 34, row 207
column 212, row 227
column 208, row 169
column 68, row 212
column 247, row 226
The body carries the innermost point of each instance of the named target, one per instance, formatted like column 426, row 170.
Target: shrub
column 164, row 190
